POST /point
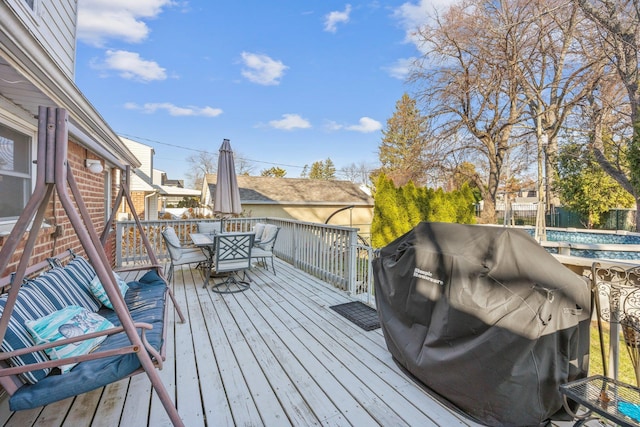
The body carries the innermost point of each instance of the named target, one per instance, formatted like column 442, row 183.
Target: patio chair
column 232, row 255
column 180, row 255
column 616, row 294
column 258, row 230
column 264, row 248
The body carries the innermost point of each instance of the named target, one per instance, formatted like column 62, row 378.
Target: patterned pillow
column 101, row 295
column 66, row 323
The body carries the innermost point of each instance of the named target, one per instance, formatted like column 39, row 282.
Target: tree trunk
column 488, row 215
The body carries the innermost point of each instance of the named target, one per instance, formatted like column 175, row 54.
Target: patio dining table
column 204, row 241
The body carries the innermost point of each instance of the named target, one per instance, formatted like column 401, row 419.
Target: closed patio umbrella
column 227, row 197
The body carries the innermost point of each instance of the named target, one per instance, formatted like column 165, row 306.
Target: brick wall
column 61, row 235
column 137, row 197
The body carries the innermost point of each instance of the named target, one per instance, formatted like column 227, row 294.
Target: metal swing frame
column 54, row 173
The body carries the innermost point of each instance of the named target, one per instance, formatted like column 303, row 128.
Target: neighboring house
column 37, row 54
column 302, row 199
column 524, row 201
column 149, row 188
column 172, row 191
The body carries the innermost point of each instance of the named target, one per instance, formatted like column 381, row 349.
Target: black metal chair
column 232, row 255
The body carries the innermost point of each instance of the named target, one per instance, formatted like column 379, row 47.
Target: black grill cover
column 485, row 317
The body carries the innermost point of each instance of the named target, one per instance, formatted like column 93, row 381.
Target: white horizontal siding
column 53, row 24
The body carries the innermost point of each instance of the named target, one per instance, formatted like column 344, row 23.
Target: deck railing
column 328, row 252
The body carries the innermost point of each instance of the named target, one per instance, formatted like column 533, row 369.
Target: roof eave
column 27, row 56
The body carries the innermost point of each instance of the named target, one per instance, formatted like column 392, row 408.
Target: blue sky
column 288, row 82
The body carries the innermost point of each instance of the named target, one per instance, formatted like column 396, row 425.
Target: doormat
column 359, row 313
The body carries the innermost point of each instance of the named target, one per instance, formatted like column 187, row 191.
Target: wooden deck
column 274, row 355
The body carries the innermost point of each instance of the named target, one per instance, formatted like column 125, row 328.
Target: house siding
column 144, row 154
column 359, row 217
column 53, row 24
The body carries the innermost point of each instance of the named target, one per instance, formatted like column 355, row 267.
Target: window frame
column 31, row 133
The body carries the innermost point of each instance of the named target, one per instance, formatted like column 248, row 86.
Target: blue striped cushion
column 81, row 271
column 62, row 289
column 31, row 304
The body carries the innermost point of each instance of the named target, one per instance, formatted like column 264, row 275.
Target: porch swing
column 136, row 339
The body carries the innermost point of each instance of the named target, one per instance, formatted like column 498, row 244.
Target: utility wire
column 139, row 138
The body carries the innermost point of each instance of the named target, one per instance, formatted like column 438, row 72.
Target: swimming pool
column 600, row 244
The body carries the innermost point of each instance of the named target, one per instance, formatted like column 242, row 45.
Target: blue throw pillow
column 69, row 322
column 101, row 295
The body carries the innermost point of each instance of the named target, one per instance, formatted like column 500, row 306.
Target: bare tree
column 607, row 116
column 470, row 78
column 357, row 173
column 200, row 164
column 618, row 23
column 242, row 164
column 553, row 79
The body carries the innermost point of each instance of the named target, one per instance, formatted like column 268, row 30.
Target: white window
column 15, row 172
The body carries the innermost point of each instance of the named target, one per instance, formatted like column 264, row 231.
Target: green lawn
column 625, row 371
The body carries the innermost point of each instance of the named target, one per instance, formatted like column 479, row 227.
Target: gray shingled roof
column 269, row 190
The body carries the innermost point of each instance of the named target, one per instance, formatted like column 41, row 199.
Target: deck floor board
column 274, row 355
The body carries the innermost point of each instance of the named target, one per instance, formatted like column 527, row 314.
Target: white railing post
column 370, row 288
column 352, row 262
column 295, row 244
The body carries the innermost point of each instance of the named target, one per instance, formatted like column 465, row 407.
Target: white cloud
column 174, row 110
column 332, row 19
column 400, row 69
column 290, row 122
column 261, row 69
column 332, row 126
column 365, row 125
column 100, row 20
column 129, row 65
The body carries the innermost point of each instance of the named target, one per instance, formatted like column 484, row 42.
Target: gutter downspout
column 146, row 204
